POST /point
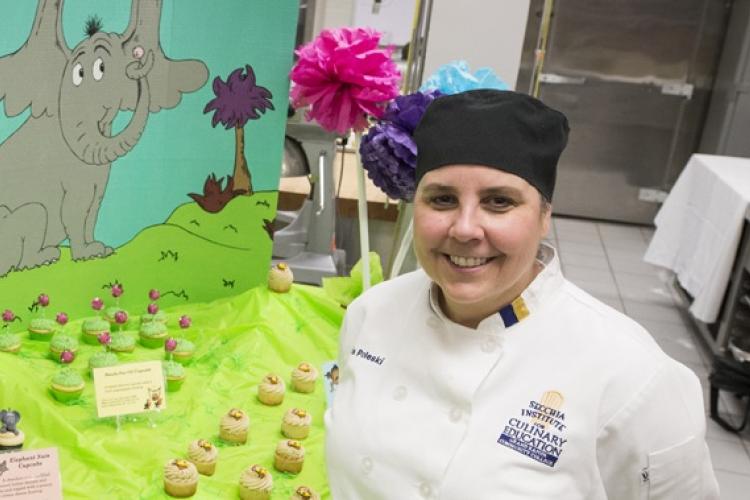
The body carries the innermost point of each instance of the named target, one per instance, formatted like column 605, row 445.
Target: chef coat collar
column 544, row 285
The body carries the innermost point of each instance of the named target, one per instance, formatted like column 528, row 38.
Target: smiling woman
column 497, row 377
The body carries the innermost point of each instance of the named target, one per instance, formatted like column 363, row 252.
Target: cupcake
column 92, row 328
column 62, row 342
column 304, row 377
column 41, row 329
column 158, row 316
column 11, row 438
column 110, row 312
column 102, row 360
column 67, row 385
column 234, row 426
column 153, row 334
column 296, row 424
column 280, row 278
column 180, row 478
column 10, row 342
column 289, row 456
column 175, row 374
column 304, row 493
column 203, row 455
column 271, row 390
column 184, row 350
column 256, row 483
column 122, row 342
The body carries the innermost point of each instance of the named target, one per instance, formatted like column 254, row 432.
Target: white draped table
column 699, row 226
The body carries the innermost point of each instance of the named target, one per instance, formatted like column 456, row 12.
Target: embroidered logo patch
column 537, row 432
column 378, row 360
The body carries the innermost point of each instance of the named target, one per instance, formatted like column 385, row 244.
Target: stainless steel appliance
column 633, row 77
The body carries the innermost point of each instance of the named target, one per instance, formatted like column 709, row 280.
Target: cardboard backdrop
column 112, row 114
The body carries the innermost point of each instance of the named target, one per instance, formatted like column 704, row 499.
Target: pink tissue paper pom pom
column 343, row 76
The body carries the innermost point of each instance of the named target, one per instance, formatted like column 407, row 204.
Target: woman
column 486, row 374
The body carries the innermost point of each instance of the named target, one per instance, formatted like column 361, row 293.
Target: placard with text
column 30, row 475
column 129, row 388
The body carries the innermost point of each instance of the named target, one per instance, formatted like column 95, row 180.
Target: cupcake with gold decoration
column 234, row 426
column 180, row 478
column 296, row 423
column 203, row 455
column 280, row 278
column 289, row 456
column 271, row 390
column 304, row 493
column 304, row 377
column 256, row 483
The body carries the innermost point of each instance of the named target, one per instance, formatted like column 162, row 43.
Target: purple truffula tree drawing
column 238, row 100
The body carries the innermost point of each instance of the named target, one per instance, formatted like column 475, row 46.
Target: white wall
column 394, row 19
column 333, row 14
column 481, row 32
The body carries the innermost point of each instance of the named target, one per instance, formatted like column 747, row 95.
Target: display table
column 699, row 227
column 238, row 341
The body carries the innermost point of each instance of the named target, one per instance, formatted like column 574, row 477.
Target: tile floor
column 605, row 259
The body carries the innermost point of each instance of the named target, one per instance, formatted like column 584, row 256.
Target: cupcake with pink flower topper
column 153, row 334
column 41, row 327
column 110, row 314
column 93, row 327
column 9, row 342
column 153, row 313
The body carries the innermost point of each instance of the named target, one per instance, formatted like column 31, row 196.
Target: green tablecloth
column 238, row 340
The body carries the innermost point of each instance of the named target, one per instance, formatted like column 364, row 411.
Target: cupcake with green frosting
column 67, row 385
column 175, row 375
column 62, row 342
column 122, row 342
column 101, row 360
column 158, row 316
column 41, row 328
column 153, row 334
column 110, row 312
column 9, row 342
column 183, row 351
column 92, row 328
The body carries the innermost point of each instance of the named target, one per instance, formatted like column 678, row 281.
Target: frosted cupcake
column 289, row 456
column 61, row 342
column 175, row 374
column 304, row 377
column 280, row 278
column 67, row 385
column 271, row 390
column 10, row 342
column 92, row 328
column 304, row 493
column 180, row 478
column 184, row 351
column 158, row 316
column 234, row 426
column 41, row 329
column 203, row 455
column 122, row 342
column 102, row 360
column 256, row 483
column 296, row 424
column 153, row 334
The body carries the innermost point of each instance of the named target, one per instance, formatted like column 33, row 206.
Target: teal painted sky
column 179, row 147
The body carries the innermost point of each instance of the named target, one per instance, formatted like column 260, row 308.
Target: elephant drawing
column 54, row 168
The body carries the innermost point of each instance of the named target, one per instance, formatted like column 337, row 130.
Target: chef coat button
column 433, row 322
column 366, row 465
column 455, row 414
column 489, row 345
column 425, row 490
column 400, row 393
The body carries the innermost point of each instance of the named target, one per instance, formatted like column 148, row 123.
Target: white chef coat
column 574, row 401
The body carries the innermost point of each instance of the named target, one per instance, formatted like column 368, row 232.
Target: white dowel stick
column 364, row 228
column 403, row 249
